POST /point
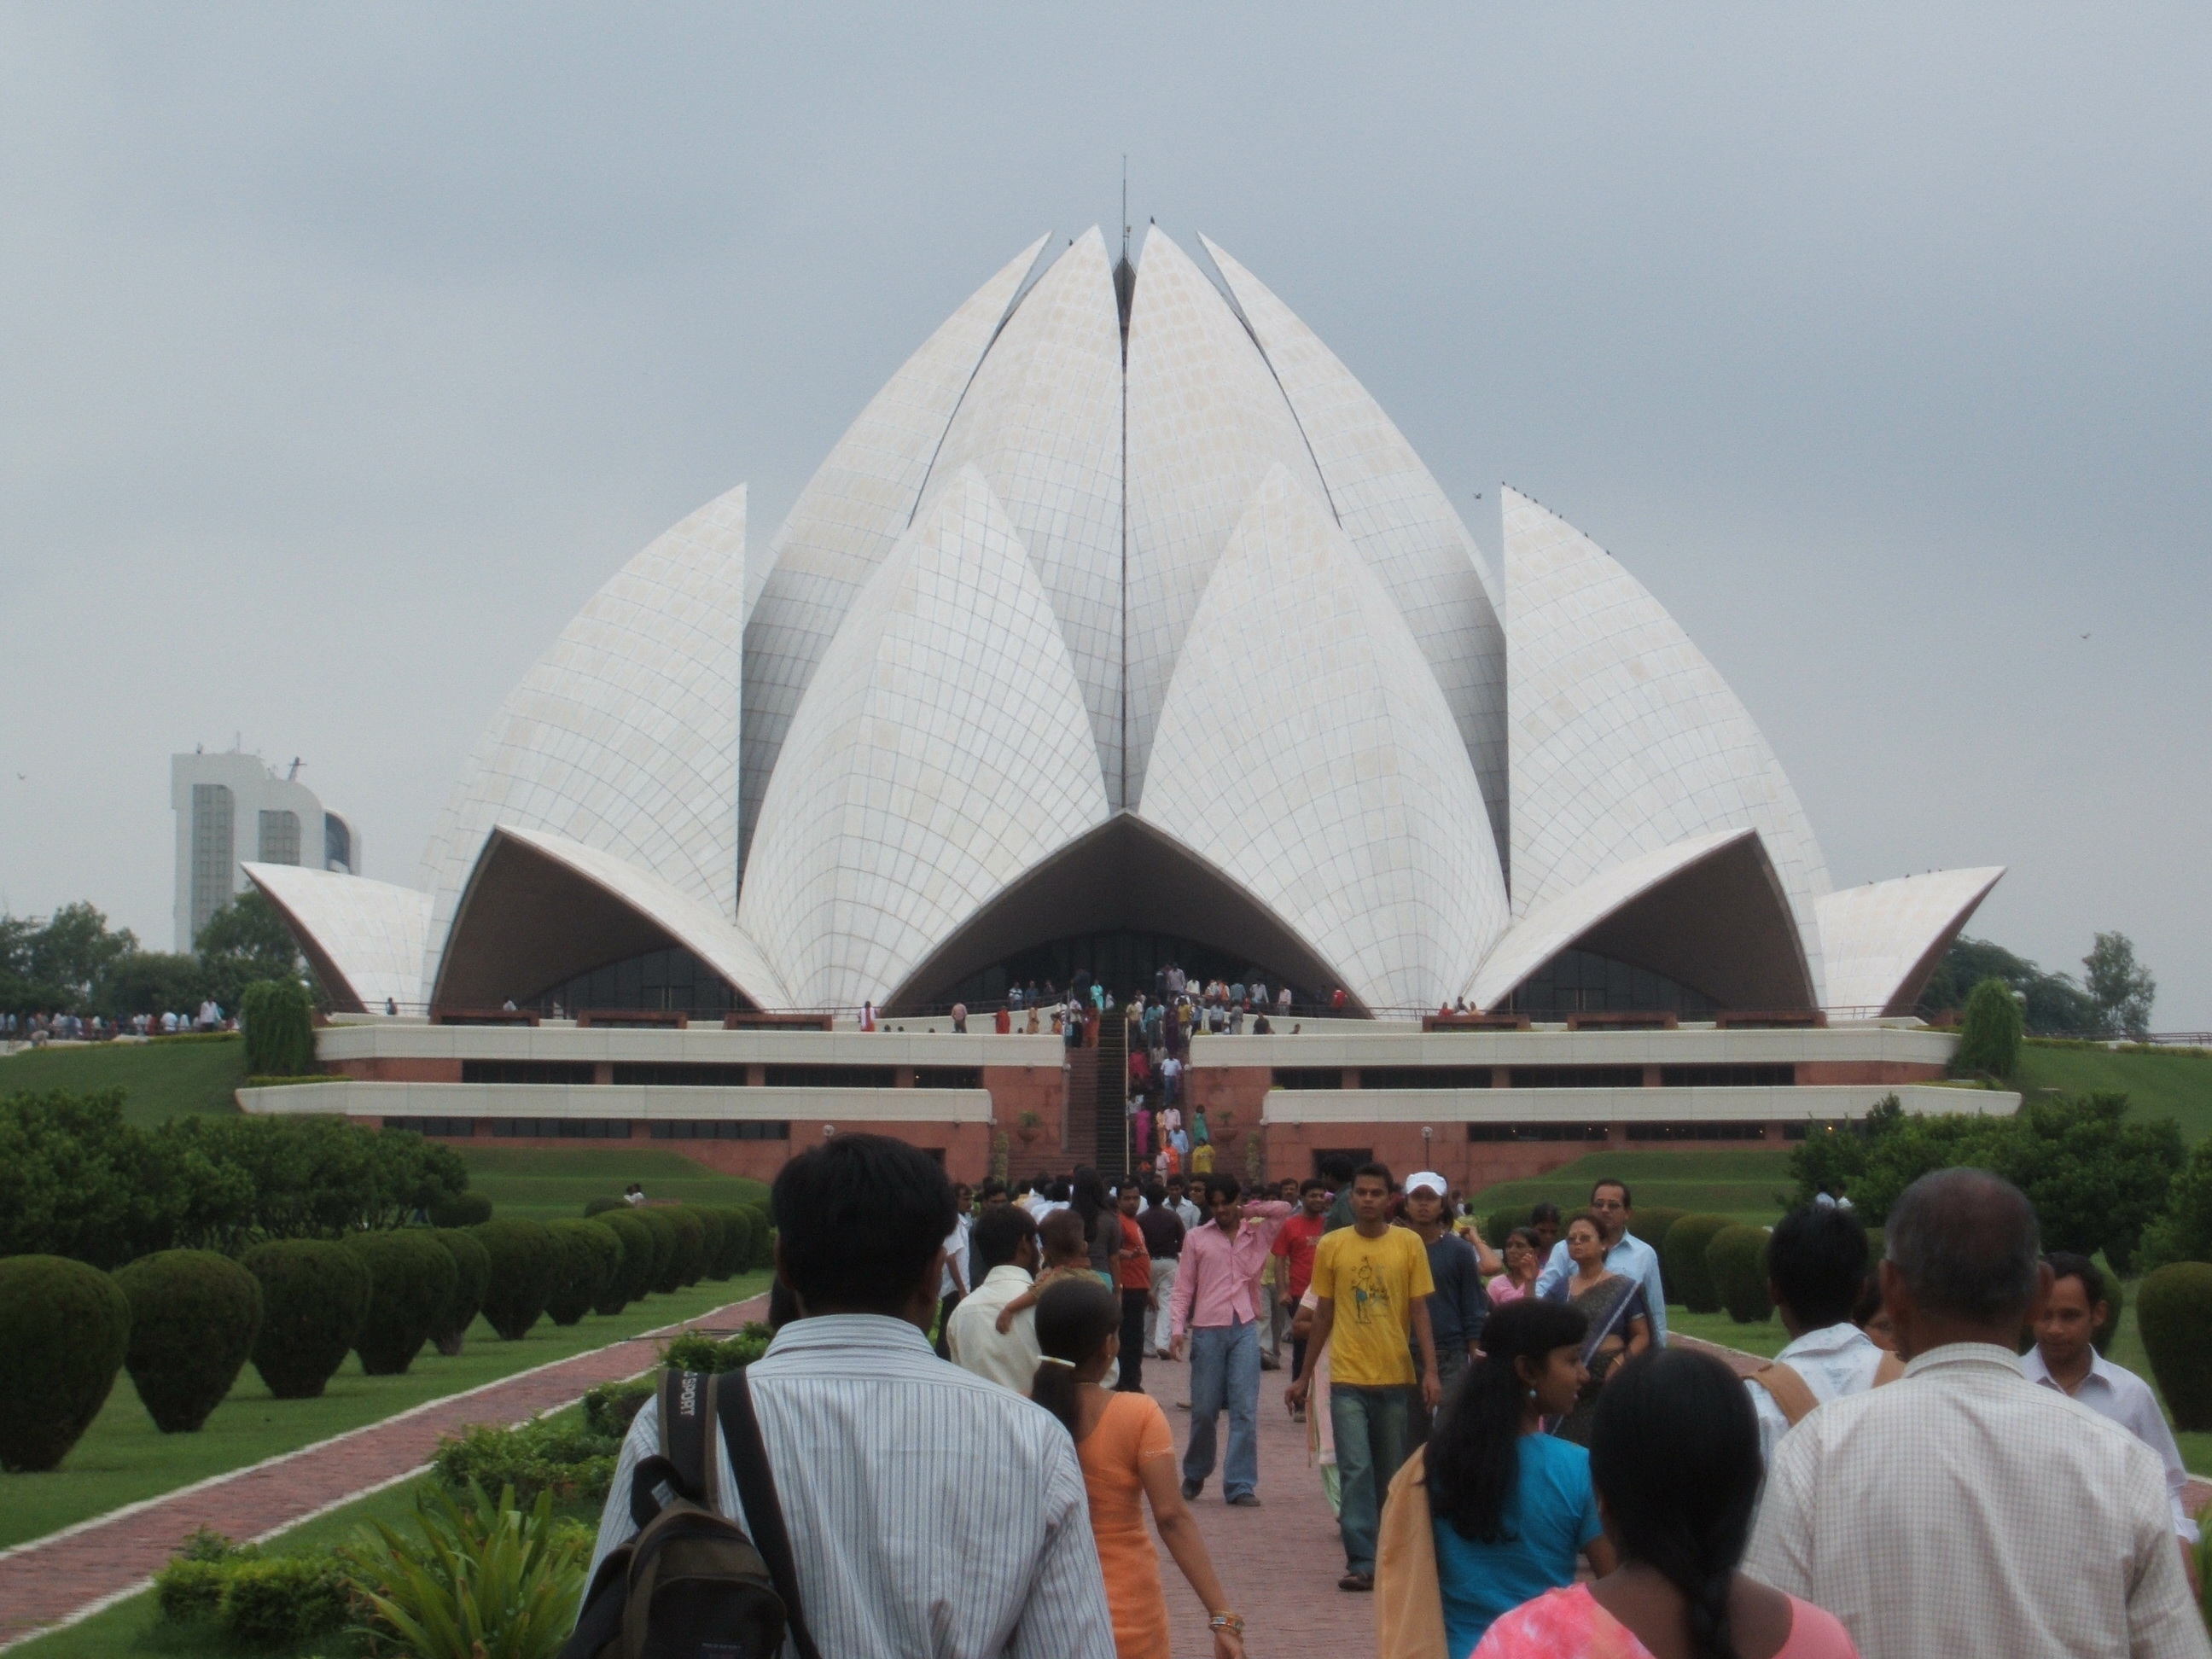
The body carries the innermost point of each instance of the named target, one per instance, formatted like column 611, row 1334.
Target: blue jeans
column 1369, row 1424
column 1224, row 1371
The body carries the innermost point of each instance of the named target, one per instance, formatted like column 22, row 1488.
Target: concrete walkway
column 72, row 1574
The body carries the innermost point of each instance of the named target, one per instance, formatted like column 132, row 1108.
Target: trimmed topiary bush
column 461, row 1210
column 667, row 1238
column 600, row 1205
column 1682, row 1262
column 1736, row 1260
column 2173, row 1311
column 450, row 1329
column 1990, row 1034
column 1651, row 1225
column 586, row 1256
column 690, row 1258
column 1498, row 1226
column 763, row 1239
column 315, row 1297
column 194, row 1316
column 738, row 1227
column 717, row 1225
column 412, row 1278
column 521, row 1274
column 65, row 1329
column 278, row 1018
column 634, row 1272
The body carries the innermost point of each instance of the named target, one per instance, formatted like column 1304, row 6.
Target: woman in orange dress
column 1128, row 1454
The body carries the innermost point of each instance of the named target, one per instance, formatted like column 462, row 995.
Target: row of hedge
column 186, row 1322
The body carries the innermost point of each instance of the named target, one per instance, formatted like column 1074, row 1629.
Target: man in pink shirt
column 1218, row 1304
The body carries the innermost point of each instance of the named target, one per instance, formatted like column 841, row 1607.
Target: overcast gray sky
column 343, row 352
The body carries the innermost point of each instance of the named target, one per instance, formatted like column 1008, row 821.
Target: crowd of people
column 37, row 1030
column 1520, row 1463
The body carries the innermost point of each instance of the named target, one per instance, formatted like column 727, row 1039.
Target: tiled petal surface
column 1347, row 805
column 943, row 749
column 373, row 932
column 1623, row 739
column 1873, row 938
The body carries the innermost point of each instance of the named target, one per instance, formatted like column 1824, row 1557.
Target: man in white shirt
column 2065, row 1357
column 1004, row 1243
column 1625, row 1253
column 1815, row 1263
column 1179, row 1201
column 954, row 1285
column 876, row 1444
column 1962, row 1508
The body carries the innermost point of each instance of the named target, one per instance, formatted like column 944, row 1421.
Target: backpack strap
column 734, row 1410
column 1790, row 1391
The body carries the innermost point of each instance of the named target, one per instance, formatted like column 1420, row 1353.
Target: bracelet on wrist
column 1229, row 1621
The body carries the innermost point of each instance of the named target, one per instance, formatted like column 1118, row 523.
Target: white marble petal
column 859, row 502
column 1880, row 941
column 943, row 749
column 369, row 934
column 623, row 736
column 1043, row 424
column 704, row 931
column 1536, row 938
column 1395, row 513
column 1623, row 739
column 1206, row 421
column 1348, row 806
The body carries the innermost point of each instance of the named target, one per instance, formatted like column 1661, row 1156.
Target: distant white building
column 233, row 809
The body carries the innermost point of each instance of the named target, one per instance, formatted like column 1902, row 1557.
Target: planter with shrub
column 412, row 1278
column 314, row 1298
column 194, row 1316
column 65, row 1329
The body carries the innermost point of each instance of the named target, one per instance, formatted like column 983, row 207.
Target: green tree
column 2122, row 990
column 1989, row 1038
column 279, row 1022
column 149, row 982
column 245, row 941
column 56, row 964
column 2052, row 1005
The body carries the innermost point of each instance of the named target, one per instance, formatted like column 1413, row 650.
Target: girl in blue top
column 1511, row 1505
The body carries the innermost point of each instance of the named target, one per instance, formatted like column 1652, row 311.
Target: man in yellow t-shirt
column 1372, row 1283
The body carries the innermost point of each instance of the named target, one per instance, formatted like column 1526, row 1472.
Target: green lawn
column 2177, row 1084
column 159, row 1080
column 123, row 1458
column 134, row 1627
column 545, row 1184
column 1750, row 1183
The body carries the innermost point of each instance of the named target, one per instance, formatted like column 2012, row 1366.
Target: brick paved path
column 79, row 1570
column 1279, row 1562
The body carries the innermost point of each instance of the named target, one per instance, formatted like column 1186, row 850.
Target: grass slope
column 123, row 1458
column 1750, row 1184
column 159, row 1080
column 549, row 1183
column 2176, row 1084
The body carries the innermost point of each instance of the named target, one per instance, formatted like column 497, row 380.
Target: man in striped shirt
column 876, row 1443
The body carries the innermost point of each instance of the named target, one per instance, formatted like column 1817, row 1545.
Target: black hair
column 994, row 1187
column 1966, row 1244
column 1675, row 1455
column 997, row 1236
column 1154, row 1193
column 1817, row 1258
column 1527, row 1236
column 1867, row 1303
column 1546, row 1210
column 1626, row 1202
column 1475, row 1450
column 782, row 1305
column 1074, row 1317
column 859, row 1219
column 1336, row 1167
column 2065, row 1264
column 1312, row 1182
column 1061, row 1232
column 1223, row 1186
column 1376, row 1171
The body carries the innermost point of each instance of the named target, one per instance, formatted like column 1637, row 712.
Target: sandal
column 1356, row 1580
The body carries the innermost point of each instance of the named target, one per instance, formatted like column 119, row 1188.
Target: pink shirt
column 1218, row 1282
column 1569, row 1624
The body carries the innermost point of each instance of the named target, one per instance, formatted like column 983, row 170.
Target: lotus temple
column 1123, row 628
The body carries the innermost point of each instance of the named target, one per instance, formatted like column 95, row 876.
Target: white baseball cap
column 1430, row 1179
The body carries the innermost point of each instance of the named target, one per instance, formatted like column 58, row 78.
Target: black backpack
column 690, row 1584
